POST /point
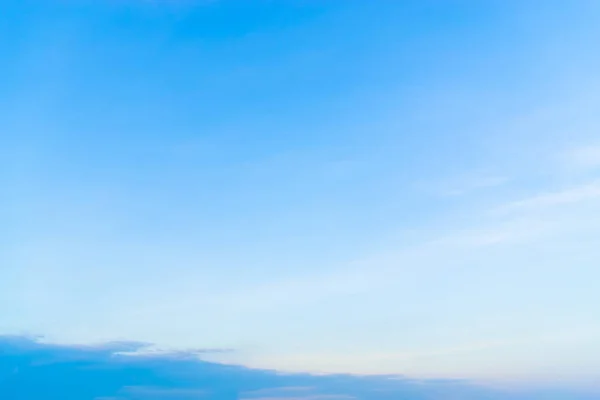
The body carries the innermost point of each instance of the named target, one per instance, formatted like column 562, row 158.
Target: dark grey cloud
column 30, row 370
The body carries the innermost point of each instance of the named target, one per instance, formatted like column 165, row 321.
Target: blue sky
column 407, row 187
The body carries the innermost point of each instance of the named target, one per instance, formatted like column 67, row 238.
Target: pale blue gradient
column 402, row 187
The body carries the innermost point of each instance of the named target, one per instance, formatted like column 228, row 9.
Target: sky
column 340, row 186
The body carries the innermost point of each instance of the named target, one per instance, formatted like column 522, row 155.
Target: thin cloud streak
column 572, row 195
column 584, row 157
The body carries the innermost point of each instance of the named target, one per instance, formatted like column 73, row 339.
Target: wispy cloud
column 568, row 196
column 585, row 157
column 464, row 185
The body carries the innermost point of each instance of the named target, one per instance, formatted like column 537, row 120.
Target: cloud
column 572, row 195
column 30, row 370
column 584, row 157
column 468, row 184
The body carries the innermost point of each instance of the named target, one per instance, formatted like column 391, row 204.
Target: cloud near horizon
column 31, row 370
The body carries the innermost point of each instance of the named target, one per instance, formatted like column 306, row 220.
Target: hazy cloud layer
column 30, row 370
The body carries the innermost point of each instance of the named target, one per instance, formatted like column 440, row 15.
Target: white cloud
column 586, row 157
column 511, row 231
column 572, row 195
column 464, row 185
